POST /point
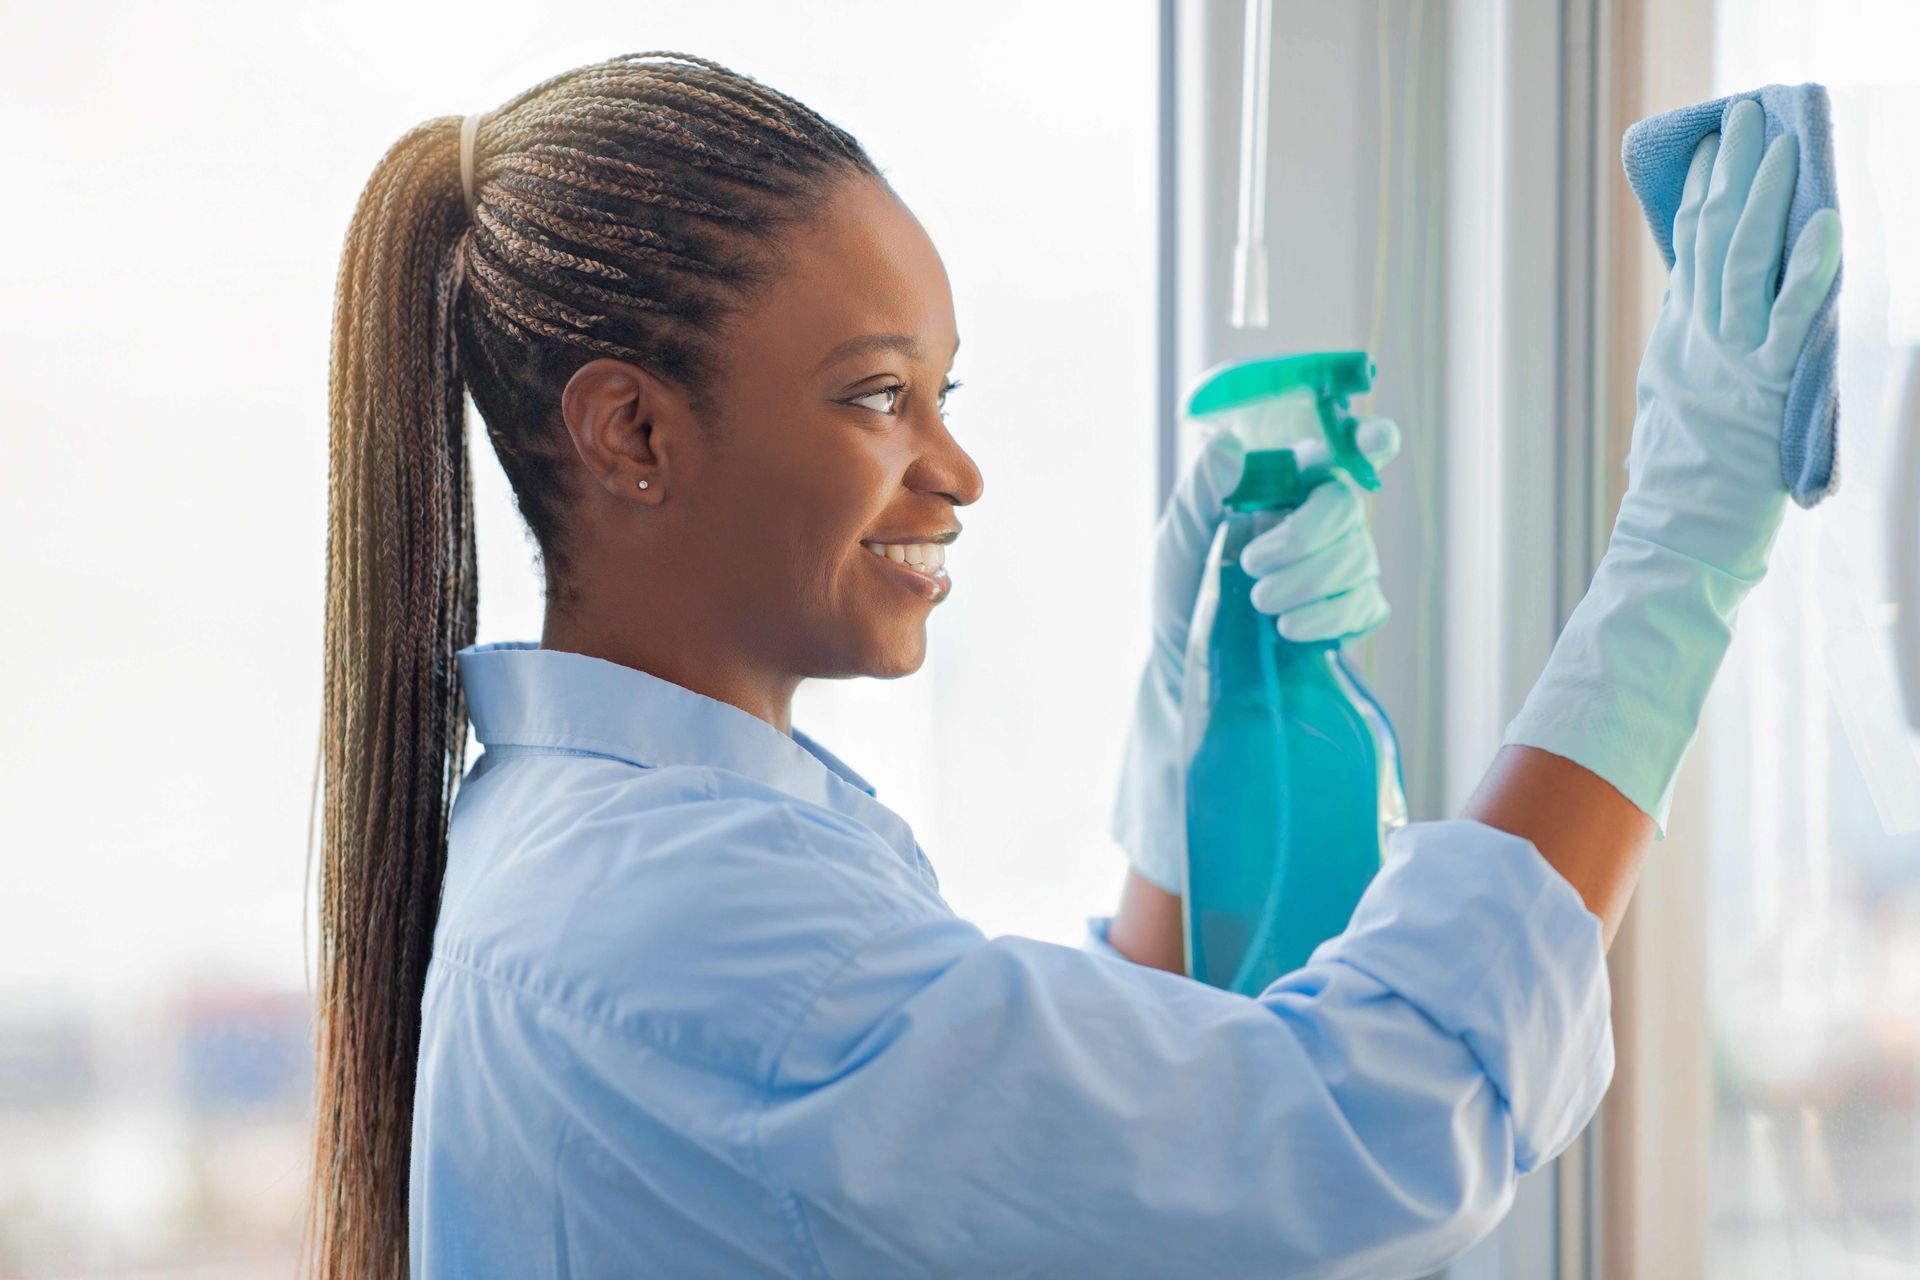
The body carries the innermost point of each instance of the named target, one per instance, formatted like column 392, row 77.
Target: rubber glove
column 1622, row 692
column 1316, row 572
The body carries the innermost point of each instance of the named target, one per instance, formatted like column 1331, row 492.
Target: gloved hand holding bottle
column 1316, row 573
column 1622, row 693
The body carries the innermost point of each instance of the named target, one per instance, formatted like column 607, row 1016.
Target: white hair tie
column 468, row 125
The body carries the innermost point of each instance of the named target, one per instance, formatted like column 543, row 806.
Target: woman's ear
column 628, row 426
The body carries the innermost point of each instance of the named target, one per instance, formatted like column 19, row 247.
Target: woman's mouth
column 919, row 565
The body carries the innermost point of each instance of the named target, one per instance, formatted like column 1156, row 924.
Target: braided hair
column 627, row 208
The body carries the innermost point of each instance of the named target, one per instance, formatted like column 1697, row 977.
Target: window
column 1813, row 778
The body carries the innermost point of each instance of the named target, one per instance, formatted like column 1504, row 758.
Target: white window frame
column 1541, row 368
column 1633, row 1195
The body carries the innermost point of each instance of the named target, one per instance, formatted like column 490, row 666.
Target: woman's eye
column 892, row 392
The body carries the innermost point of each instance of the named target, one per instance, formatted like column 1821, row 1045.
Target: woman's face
column 825, row 494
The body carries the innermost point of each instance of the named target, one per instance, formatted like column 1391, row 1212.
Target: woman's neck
column 703, row 667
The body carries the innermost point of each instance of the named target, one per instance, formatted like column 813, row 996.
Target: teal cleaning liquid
column 1293, row 776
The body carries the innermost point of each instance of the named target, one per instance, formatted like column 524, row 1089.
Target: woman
column 669, row 991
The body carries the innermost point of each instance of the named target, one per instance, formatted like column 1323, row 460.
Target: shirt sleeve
column 950, row 1105
column 1096, row 939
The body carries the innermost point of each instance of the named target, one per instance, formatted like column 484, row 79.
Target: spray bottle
column 1293, row 775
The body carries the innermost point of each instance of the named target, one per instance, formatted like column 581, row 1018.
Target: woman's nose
column 947, row 469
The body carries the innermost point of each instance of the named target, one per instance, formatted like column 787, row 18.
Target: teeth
column 924, row 556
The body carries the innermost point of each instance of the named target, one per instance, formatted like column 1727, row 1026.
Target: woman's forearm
column 1147, row 929
column 1591, row 834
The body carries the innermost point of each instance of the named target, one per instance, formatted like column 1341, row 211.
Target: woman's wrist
column 1622, row 692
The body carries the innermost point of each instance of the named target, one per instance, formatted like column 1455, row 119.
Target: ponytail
column 401, row 597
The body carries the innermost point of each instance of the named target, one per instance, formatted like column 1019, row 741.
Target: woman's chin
column 898, row 651
column 903, row 661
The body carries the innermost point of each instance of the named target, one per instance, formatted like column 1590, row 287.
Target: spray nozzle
column 1291, row 412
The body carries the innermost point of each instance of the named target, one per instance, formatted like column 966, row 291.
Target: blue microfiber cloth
column 1656, row 154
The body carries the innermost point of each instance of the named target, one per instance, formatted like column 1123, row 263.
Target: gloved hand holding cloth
column 1622, row 693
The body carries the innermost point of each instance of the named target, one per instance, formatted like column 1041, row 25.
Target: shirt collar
column 520, row 694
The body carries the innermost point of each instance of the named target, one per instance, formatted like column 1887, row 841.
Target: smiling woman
column 740, row 571
column 667, row 990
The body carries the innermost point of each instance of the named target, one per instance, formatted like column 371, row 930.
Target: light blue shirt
column 697, row 1008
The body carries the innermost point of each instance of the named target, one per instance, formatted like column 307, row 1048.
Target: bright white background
column 180, row 179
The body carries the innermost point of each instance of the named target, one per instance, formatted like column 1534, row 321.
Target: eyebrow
column 868, row 343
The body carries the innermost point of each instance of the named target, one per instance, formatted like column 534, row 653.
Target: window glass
column 1814, row 941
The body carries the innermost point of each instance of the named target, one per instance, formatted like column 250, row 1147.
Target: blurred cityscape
column 1816, row 1079
column 170, row 1142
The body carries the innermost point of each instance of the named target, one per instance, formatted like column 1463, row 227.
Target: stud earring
column 643, row 484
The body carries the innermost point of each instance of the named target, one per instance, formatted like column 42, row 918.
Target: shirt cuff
column 1471, row 926
column 1096, row 939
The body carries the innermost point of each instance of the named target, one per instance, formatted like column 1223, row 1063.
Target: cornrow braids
column 623, row 209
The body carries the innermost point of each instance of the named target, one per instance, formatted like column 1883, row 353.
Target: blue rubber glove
column 1316, row 571
column 1623, row 691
